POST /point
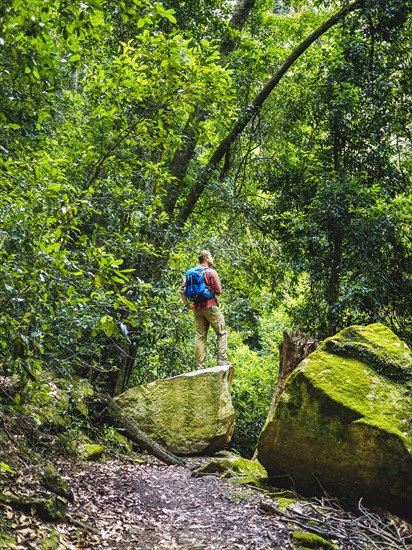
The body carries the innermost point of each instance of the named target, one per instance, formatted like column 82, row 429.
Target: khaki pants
column 204, row 318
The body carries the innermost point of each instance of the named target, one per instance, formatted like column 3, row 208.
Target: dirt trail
column 143, row 504
column 154, row 506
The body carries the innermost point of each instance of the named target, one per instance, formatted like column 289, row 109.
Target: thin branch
column 327, row 519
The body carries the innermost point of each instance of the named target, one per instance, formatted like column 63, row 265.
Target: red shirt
column 213, row 283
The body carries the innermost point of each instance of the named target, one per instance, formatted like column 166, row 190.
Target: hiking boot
column 224, row 363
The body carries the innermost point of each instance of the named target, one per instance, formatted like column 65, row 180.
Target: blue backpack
column 196, row 289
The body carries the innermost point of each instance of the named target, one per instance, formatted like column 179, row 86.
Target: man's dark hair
column 203, row 255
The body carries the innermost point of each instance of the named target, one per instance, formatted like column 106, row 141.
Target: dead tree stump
column 293, row 349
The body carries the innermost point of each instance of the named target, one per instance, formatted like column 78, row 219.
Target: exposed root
column 326, row 518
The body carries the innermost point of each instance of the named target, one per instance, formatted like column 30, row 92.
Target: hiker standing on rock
column 199, row 292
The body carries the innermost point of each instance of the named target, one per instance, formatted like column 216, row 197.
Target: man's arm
column 213, row 282
column 186, row 302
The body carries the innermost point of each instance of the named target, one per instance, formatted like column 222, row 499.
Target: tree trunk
column 238, row 20
column 335, row 240
column 292, row 350
column 125, row 369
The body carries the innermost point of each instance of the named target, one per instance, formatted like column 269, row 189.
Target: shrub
column 253, row 387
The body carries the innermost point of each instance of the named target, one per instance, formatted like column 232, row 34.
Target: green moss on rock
column 310, row 540
column 115, row 440
column 51, row 541
column 50, row 399
column 233, row 466
column 46, row 402
column 343, row 421
column 90, row 451
column 79, row 390
column 52, row 509
column 375, row 345
column 188, row 414
column 80, row 446
column 51, row 479
column 285, row 503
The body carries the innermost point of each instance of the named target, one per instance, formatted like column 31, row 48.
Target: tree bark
column 238, row 20
column 182, row 158
column 335, row 239
column 292, row 350
column 253, row 109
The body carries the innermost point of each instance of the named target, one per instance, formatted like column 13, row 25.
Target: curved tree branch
column 254, row 108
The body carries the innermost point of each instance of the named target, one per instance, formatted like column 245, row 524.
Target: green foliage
column 339, row 158
column 253, row 386
column 81, row 181
column 109, row 112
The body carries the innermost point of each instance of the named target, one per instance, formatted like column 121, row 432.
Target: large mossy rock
column 343, row 423
column 188, row 414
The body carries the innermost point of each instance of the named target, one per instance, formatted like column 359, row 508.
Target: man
column 207, row 313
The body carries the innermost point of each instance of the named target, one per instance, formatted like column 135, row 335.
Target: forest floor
column 137, row 502
column 143, row 504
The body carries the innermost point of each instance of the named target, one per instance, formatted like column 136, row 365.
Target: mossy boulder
column 77, row 445
column 343, row 423
column 231, row 466
column 90, row 451
column 188, row 414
